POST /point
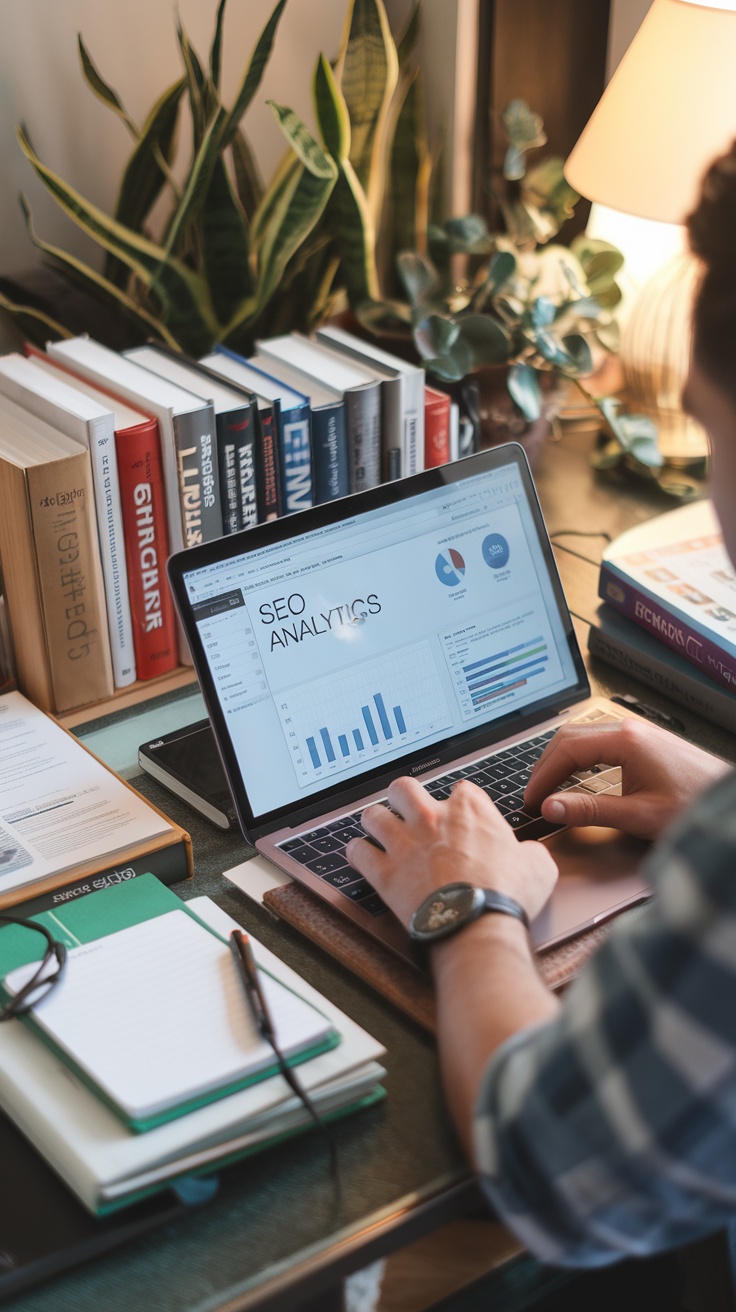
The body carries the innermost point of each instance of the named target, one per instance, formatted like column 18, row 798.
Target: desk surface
column 274, row 1221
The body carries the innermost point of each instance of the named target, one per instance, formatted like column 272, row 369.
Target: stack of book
column 145, row 1064
column 110, row 461
column 668, row 613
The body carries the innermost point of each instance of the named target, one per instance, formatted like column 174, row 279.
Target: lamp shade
column 668, row 111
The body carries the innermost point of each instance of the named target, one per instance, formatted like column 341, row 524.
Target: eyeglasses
column 41, row 982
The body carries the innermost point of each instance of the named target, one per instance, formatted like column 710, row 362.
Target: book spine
column 168, row 864
column 674, row 632
column 712, row 703
column 295, row 457
column 436, row 429
column 246, row 452
column 143, row 501
column 414, row 422
column 392, row 428
column 330, row 452
column 363, row 420
column 112, row 550
column 227, row 468
column 199, row 490
column 22, row 591
column 268, row 474
column 70, row 578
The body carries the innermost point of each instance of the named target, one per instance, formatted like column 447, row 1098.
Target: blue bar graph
column 343, row 744
column 357, row 735
column 329, row 750
column 400, row 721
column 387, row 731
column 311, row 744
column 370, row 726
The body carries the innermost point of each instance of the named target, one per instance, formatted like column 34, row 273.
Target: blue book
column 330, row 454
column 294, row 431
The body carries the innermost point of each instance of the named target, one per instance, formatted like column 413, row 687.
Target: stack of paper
column 183, row 1059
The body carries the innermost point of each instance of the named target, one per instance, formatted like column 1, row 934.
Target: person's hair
column 712, row 232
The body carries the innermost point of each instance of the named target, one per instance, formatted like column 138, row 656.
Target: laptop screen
column 349, row 645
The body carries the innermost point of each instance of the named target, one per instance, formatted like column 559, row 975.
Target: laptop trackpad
column 600, row 874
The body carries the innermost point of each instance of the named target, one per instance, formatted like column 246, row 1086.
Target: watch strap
column 508, row 906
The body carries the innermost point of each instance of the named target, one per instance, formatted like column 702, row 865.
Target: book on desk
column 54, row 1091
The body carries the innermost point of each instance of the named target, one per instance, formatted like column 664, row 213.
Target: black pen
column 248, row 971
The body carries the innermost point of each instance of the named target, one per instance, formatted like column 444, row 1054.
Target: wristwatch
column 453, row 906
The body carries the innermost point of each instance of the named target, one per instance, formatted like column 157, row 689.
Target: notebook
column 418, row 628
column 154, row 1018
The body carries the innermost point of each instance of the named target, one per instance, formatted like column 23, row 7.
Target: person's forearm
column 487, row 989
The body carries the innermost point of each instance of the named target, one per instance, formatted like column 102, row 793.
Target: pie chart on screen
column 450, row 568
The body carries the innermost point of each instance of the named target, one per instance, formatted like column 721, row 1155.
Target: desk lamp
column 668, row 111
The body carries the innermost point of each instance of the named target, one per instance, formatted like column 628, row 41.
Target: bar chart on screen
column 379, row 708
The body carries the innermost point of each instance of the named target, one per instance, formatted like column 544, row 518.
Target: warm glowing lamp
column 668, row 110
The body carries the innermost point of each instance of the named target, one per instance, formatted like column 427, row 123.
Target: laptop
column 418, row 628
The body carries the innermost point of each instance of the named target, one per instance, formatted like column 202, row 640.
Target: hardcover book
column 672, row 576
column 330, row 459
column 268, row 475
column 51, row 564
column 436, row 427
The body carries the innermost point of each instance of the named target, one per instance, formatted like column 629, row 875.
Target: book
column 360, row 390
column 330, row 460
column 145, row 534
column 626, row 646
column 186, row 430
column 293, row 429
column 187, row 762
column 151, row 1015
column 234, row 425
column 50, row 396
column 401, row 380
column 7, row 656
column 107, row 1166
column 65, row 816
column 436, row 427
column 51, row 563
column 672, row 576
column 269, row 479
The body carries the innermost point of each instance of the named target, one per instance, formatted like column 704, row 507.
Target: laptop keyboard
column 503, row 775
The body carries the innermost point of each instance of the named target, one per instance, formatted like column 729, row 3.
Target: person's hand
column 429, row 843
column 661, row 776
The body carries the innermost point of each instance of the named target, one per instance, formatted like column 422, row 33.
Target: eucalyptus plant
column 234, row 259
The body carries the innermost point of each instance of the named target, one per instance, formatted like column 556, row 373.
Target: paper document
column 157, row 1017
column 59, row 806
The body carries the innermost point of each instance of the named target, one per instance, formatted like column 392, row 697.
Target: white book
column 105, row 1164
column 50, row 397
column 409, row 381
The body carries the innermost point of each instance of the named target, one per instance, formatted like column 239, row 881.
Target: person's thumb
column 573, row 808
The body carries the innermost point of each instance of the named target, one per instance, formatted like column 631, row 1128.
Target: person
column 602, row 1125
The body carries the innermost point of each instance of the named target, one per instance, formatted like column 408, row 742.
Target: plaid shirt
column 611, row 1131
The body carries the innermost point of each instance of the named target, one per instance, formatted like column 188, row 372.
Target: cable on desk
column 580, row 533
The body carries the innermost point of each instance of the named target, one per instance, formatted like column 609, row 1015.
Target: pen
column 248, row 971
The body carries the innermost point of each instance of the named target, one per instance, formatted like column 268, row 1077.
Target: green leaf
column 183, row 295
column 450, row 368
column 225, row 247
column 350, row 224
column 293, row 215
column 272, row 199
column 99, row 287
column 247, row 178
column 579, row 351
column 331, row 110
column 523, row 385
column 197, row 184
column 303, row 143
column 31, row 320
column 525, row 131
column 367, row 70
column 407, row 204
column 216, row 50
column 146, row 171
column 101, row 88
column 544, row 312
column 488, row 341
column 435, row 335
column 419, row 277
column 202, row 99
column 253, row 74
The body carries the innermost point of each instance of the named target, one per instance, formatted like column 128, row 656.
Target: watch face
column 444, row 911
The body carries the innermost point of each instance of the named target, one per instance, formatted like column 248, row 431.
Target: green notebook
column 150, row 1012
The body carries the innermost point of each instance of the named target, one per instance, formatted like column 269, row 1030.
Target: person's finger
column 580, row 808
column 574, row 747
column 366, row 858
column 381, row 823
column 466, row 794
column 410, row 799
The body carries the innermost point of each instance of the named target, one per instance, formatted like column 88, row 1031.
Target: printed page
column 58, row 805
column 157, row 1015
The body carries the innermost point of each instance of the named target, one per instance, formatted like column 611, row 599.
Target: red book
column 436, row 427
column 143, row 505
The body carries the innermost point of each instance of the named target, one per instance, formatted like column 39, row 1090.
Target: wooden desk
column 274, row 1238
